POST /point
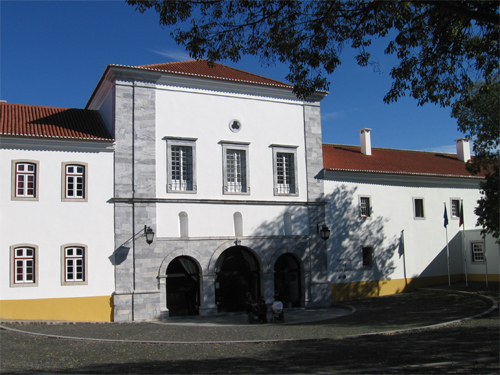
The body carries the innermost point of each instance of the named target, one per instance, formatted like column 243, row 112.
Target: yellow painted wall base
column 494, row 278
column 82, row 309
column 367, row 289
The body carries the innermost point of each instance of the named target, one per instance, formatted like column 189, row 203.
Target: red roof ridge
column 388, row 149
column 198, row 63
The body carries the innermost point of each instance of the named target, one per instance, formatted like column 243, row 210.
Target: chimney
column 366, row 142
column 463, row 149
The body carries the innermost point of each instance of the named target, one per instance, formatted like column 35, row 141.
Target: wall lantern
column 148, row 232
column 324, row 231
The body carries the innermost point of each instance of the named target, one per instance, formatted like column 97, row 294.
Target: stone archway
column 288, row 280
column 237, row 273
column 183, row 287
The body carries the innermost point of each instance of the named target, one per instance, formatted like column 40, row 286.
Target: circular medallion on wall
column 235, row 126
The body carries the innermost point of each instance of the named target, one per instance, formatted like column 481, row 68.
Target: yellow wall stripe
column 81, row 309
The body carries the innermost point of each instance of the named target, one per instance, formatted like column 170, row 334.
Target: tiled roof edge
column 390, row 149
column 403, row 173
column 96, row 139
column 284, row 85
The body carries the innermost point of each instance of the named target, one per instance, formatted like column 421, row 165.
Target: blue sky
column 53, row 53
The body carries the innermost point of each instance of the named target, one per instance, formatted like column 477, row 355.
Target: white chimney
column 366, row 142
column 463, row 149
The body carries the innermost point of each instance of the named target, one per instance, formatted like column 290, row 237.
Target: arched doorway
column 287, row 280
column 183, row 287
column 237, row 273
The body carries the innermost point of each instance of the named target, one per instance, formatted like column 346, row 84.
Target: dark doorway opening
column 287, row 280
column 183, row 287
column 237, row 273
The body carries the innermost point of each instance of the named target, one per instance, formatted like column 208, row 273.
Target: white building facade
column 386, row 210
column 56, row 218
column 229, row 171
column 223, row 170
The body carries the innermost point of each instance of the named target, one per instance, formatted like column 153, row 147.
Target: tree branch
column 470, row 13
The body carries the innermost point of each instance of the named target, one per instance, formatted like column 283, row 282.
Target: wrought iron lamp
column 149, row 234
column 324, row 231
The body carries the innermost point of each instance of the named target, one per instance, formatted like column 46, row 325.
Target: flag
column 445, row 216
column 461, row 214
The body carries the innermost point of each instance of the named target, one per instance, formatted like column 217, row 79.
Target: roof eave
column 402, row 173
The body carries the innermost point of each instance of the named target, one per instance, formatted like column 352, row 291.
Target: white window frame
column 71, row 260
column 14, row 178
column 175, row 187
column 15, row 257
column 415, row 199
column 65, row 177
column 287, row 189
column 229, row 187
column 452, row 214
column 369, row 208
column 477, row 252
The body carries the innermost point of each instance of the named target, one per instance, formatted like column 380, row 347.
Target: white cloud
column 332, row 115
column 173, row 55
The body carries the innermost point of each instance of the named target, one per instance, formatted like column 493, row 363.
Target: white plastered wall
column 423, row 240
column 50, row 223
column 206, row 116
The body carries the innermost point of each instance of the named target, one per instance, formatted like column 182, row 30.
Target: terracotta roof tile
column 51, row 122
column 201, row 68
column 392, row 161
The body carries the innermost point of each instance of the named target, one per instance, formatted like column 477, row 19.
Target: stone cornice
column 71, row 145
column 215, row 201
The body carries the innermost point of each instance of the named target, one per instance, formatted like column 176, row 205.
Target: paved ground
column 378, row 335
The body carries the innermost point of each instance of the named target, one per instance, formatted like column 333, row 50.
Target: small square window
column 477, row 252
column 455, row 208
column 418, row 206
column 364, row 207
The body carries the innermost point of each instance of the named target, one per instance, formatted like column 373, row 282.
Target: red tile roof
column 201, row 68
column 52, row 122
column 391, row 161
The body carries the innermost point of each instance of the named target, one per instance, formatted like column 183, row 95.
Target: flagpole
column 402, row 244
column 485, row 261
column 464, row 247
column 447, row 247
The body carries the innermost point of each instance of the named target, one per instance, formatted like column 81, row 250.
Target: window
column 477, row 252
column 455, row 208
column 236, row 168
column 364, row 206
column 368, row 256
column 24, row 265
column 24, row 180
column 74, row 267
column 74, row 182
column 181, row 167
column 418, row 208
column 285, row 170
